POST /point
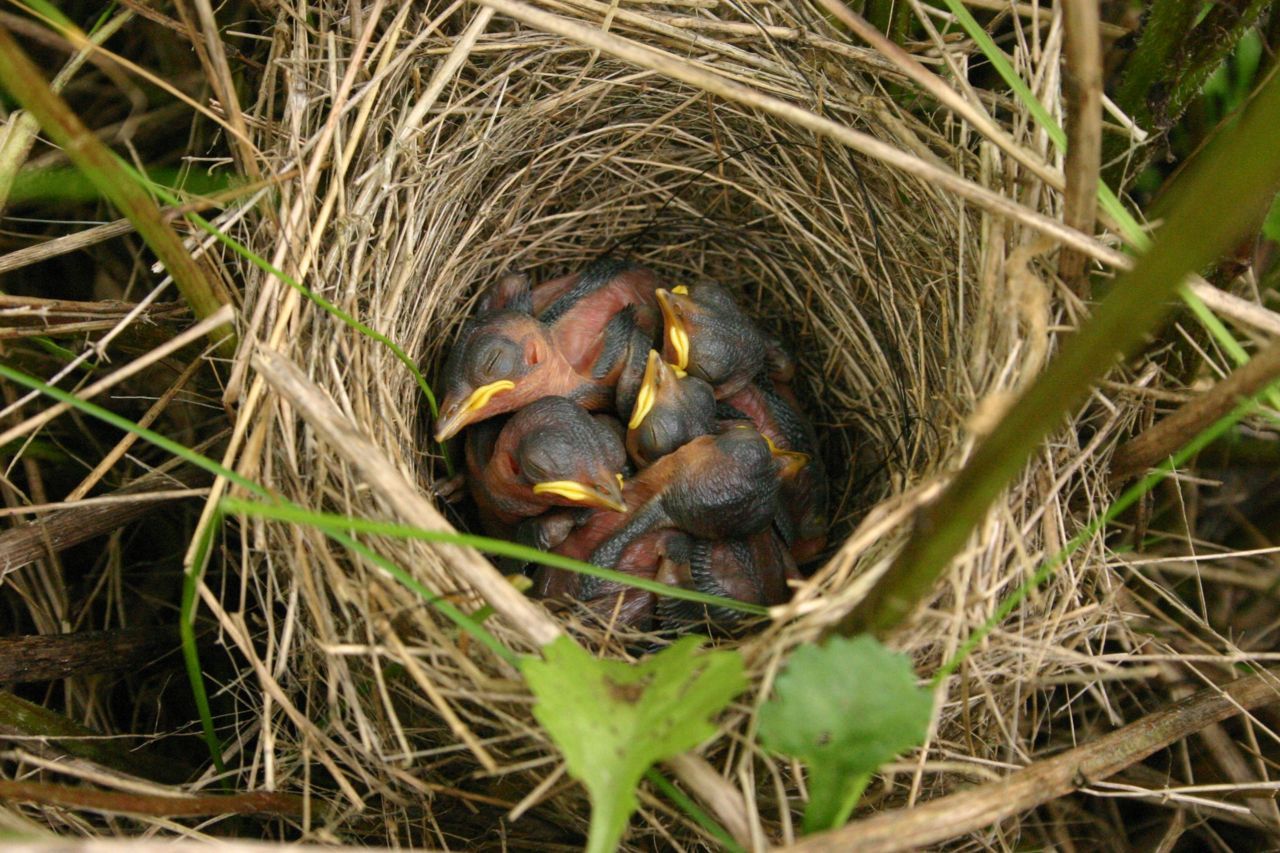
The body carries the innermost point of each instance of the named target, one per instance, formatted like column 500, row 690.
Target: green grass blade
column 1130, row 230
column 60, row 352
column 1127, row 499
column 1212, row 206
column 282, row 510
column 689, row 807
column 363, row 328
column 499, row 547
column 190, row 651
column 187, row 633
column 24, row 82
column 118, row 421
column 1005, row 69
column 120, row 183
column 70, row 185
column 1107, row 199
column 50, row 11
column 336, row 527
column 462, row 620
column 1224, row 338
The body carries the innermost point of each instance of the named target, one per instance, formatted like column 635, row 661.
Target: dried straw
column 900, row 254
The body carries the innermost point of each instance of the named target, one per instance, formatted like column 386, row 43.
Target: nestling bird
column 708, row 336
column 502, row 361
column 587, row 342
column 772, row 410
column 670, row 411
column 620, row 363
column 778, row 363
column 551, row 453
column 512, row 291
column 754, row 570
column 610, row 599
column 578, row 308
column 746, row 469
column 715, row 487
column 640, row 558
column 726, row 492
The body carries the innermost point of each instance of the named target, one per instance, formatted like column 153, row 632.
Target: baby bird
column 510, row 292
column 754, row 570
column 578, row 308
column 587, row 342
column 715, row 487
column 503, row 360
column 634, row 607
column 620, row 365
column 804, row 490
column 708, row 336
column 670, row 411
column 551, row 453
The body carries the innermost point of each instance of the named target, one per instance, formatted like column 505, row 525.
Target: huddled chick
column 646, row 429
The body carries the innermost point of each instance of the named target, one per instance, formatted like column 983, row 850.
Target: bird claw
column 451, row 490
column 547, row 530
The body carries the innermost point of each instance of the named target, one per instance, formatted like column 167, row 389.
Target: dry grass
column 431, row 149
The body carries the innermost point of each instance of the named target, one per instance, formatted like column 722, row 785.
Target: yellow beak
column 453, row 424
column 795, row 460
column 648, row 391
column 583, row 494
column 677, row 335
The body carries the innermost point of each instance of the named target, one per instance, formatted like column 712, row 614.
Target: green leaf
column 613, row 720
column 844, row 708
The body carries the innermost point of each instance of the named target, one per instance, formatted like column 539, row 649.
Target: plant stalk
column 1210, row 210
column 20, row 76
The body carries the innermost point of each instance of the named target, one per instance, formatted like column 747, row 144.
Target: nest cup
column 532, row 153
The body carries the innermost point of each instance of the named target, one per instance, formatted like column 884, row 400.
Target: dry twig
column 1082, row 84
column 1174, row 431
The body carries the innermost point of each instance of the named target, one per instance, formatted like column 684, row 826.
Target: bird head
column 789, row 463
column 567, row 457
column 707, row 335
column 671, row 408
column 497, row 366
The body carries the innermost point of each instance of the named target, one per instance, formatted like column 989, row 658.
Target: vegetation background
column 236, row 240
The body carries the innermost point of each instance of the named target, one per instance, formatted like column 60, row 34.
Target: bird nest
column 430, row 148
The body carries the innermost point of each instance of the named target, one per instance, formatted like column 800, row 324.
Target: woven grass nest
column 462, row 145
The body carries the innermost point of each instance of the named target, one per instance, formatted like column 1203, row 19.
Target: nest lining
column 539, row 156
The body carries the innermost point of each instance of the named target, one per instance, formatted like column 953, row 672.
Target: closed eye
column 496, row 362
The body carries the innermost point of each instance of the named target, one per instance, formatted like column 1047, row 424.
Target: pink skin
column 549, row 291
column 578, row 334
column 640, row 558
column 752, row 403
column 549, row 374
